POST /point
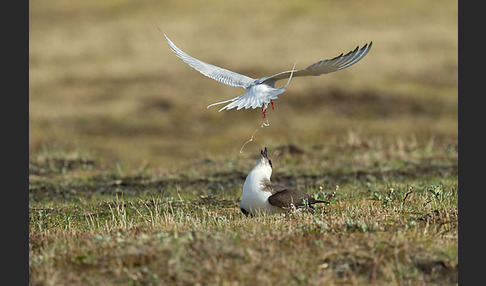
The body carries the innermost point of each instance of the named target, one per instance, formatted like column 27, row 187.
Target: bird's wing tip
column 163, row 33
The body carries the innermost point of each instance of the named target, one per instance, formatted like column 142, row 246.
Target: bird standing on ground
column 262, row 91
column 260, row 195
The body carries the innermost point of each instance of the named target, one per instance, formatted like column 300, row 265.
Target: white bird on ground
column 260, row 195
column 262, row 91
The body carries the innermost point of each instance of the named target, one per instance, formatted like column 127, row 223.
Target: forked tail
column 291, row 74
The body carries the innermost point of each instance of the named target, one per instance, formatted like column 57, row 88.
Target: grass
column 133, row 181
column 388, row 222
column 162, row 241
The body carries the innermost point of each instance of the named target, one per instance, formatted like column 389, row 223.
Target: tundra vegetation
column 132, row 181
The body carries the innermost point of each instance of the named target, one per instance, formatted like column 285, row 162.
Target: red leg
column 273, row 107
column 264, row 113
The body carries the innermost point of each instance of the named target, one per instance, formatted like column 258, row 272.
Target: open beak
column 263, row 153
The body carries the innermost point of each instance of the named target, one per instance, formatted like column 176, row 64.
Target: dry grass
column 133, row 181
column 392, row 219
column 164, row 241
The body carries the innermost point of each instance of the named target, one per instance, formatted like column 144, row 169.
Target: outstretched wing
column 219, row 74
column 325, row 66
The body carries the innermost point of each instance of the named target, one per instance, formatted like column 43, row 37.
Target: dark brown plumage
column 286, row 198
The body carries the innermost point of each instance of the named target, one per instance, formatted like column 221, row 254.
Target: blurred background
column 104, row 83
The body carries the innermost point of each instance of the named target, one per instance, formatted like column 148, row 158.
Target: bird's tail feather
column 221, row 102
column 291, row 74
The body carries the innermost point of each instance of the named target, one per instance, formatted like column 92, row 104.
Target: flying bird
column 260, row 195
column 262, row 91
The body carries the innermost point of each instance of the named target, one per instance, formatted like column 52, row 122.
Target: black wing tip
column 341, row 55
column 367, row 45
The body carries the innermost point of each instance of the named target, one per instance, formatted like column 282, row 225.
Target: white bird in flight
column 262, row 91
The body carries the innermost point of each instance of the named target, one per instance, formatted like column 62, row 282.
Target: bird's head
column 263, row 163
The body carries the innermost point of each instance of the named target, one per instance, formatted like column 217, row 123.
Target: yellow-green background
column 103, row 81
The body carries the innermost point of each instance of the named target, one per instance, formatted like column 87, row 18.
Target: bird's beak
column 263, row 153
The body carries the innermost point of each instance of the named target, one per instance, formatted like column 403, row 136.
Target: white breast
column 253, row 198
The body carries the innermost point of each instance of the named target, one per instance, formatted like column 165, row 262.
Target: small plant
column 385, row 198
column 357, row 225
column 323, row 196
column 436, row 192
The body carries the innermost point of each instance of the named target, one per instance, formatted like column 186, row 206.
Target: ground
column 133, row 181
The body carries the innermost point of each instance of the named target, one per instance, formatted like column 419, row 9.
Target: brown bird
column 260, row 195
